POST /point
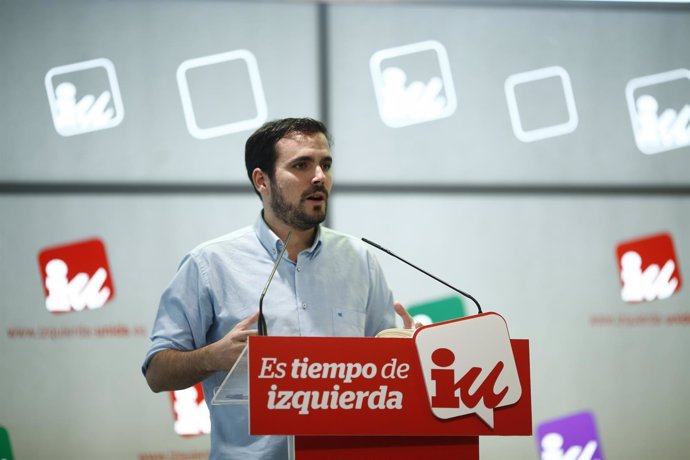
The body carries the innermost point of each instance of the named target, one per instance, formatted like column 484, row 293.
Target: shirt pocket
column 349, row 321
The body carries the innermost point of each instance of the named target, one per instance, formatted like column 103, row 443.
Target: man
column 328, row 284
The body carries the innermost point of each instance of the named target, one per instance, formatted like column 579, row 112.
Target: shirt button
column 304, row 306
column 299, row 269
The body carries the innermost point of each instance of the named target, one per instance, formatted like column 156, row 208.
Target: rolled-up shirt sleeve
column 185, row 312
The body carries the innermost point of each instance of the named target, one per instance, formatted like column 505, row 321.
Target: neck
column 300, row 239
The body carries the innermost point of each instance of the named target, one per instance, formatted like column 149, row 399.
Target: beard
column 295, row 215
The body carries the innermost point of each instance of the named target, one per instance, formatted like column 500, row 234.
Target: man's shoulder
column 233, row 241
column 335, row 239
column 328, row 234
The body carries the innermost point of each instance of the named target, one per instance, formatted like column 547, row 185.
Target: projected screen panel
column 549, row 266
column 155, row 91
column 79, row 365
column 518, row 95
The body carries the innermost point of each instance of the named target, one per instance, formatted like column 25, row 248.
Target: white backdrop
column 529, row 228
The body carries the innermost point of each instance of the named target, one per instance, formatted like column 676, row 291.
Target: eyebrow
column 309, row 158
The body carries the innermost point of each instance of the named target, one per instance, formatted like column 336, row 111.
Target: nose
column 319, row 176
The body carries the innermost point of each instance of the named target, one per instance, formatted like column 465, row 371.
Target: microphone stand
column 263, row 329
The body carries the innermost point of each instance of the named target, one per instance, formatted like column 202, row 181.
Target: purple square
column 569, row 438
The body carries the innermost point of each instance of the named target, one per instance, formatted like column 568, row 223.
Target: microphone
column 381, row 248
column 263, row 330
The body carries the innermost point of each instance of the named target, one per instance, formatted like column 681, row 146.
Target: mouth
column 317, row 197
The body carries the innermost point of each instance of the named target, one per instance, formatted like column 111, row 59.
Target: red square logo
column 76, row 276
column 648, row 268
column 192, row 417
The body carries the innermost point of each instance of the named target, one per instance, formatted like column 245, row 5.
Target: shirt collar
column 274, row 245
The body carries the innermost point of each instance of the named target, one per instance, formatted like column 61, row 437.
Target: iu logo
column 475, row 374
column 573, row 437
column 84, row 97
column 648, row 268
column 192, row 417
column 5, row 446
column 413, row 83
column 437, row 311
column 76, row 276
column 660, row 124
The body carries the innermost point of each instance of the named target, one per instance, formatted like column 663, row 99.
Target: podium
column 430, row 395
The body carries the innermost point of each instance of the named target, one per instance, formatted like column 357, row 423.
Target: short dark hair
column 260, row 148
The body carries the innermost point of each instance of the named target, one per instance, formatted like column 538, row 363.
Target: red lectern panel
column 404, row 398
column 384, row 447
column 280, row 404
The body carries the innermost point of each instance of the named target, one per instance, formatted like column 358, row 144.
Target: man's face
column 302, row 180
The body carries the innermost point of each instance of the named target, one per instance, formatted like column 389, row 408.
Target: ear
column 260, row 180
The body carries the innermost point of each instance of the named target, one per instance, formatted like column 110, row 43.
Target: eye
column 327, row 166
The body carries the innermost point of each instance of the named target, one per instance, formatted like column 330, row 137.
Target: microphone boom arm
column 381, row 248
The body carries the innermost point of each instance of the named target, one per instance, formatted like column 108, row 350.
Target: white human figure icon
column 416, row 101
column 57, row 285
column 89, row 112
column 392, row 92
column 66, row 103
column 192, row 418
column 652, row 283
column 78, row 293
column 552, row 449
column 648, row 134
column 669, row 130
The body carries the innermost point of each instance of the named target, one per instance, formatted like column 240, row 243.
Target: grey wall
column 529, row 228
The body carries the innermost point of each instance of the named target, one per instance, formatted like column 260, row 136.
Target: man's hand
column 175, row 369
column 408, row 321
column 225, row 352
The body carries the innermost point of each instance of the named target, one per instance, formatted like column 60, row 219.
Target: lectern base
column 386, row 447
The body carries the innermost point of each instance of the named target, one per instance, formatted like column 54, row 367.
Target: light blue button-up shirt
column 334, row 288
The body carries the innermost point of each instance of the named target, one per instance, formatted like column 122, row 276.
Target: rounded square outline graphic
column 444, row 66
column 649, row 80
column 109, row 67
column 549, row 131
column 229, row 128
